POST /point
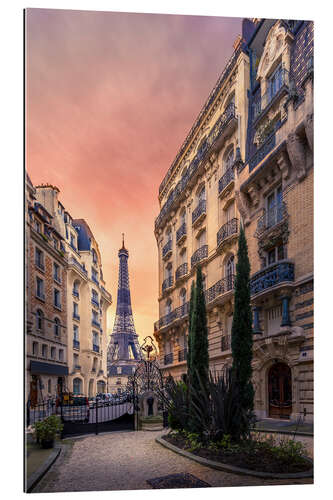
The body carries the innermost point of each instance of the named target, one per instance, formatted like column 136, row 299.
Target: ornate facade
column 248, row 159
column 87, row 299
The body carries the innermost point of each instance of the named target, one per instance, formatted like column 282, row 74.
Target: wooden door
column 279, row 387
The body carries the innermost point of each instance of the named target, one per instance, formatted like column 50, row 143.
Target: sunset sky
column 110, row 99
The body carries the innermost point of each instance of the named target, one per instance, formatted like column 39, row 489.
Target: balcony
column 95, row 348
column 275, row 274
column 271, row 218
column 221, row 287
column 96, row 323
column 182, row 355
column 74, row 262
column 262, row 152
column 95, row 302
column 167, row 283
column 76, row 344
column 181, row 271
column 199, row 255
column 167, row 250
column 199, row 213
column 76, row 293
column 226, row 179
column 271, row 95
column 181, row 234
column 76, row 316
column 219, row 130
column 168, row 358
column 228, row 229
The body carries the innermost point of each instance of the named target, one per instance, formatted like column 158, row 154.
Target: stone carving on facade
column 284, row 165
column 242, row 205
column 296, row 152
column 277, row 41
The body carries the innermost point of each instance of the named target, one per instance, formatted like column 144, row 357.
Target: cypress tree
column 241, row 332
column 189, row 351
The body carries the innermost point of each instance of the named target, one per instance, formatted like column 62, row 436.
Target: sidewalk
column 38, row 461
column 284, row 426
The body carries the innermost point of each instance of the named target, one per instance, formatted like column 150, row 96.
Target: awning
column 48, row 368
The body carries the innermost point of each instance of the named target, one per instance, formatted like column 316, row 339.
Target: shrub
column 175, row 399
column 48, row 428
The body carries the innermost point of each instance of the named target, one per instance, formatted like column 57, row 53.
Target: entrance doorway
column 279, row 388
column 33, row 390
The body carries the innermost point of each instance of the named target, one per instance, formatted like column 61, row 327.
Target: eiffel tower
column 124, row 351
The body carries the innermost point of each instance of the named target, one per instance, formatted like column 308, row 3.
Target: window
column 273, row 319
column 94, row 256
column 94, row 298
column 76, row 333
column 75, row 360
column 95, row 317
column 204, row 282
column 57, row 327
column 118, row 383
column 94, row 275
column 77, row 386
column 53, row 352
column 40, row 288
column 202, row 194
column 275, row 82
column 56, row 272
column 55, row 243
column 228, row 159
column 183, row 217
column 44, row 351
column 182, row 296
column 76, row 288
column 168, row 270
column 201, row 240
column 49, row 386
column 38, row 226
column 39, row 258
column 56, row 297
column 230, row 212
column 76, row 310
column 61, row 354
column 35, row 348
column 168, row 306
column 73, row 243
column 275, row 254
column 274, row 207
column 39, row 320
column 95, row 339
column 230, row 271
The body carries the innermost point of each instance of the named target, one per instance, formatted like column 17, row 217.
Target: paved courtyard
column 126, row 460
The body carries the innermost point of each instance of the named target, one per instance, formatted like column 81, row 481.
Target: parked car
column 76, row 409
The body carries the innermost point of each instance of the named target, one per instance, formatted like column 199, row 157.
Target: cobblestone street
column 126, row 460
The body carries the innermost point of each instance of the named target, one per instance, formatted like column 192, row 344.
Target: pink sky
column 110, row 99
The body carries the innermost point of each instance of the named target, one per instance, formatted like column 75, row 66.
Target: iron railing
column 95, row 302
column 272, row 275
column 167, row 283
column 182, row 355
column 181, row 232
column 76, row 344
column 272, row 92
column 271, row 217
column 199, row 210
column 226, row 178
column 73, row 261
column 181, row 270
column 229, row 228
column 168, row 358
column 167, row 248
column 212, row 138
column 200, row 254
column 262, row 152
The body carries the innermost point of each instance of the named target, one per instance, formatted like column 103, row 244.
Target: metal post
column 96, row 427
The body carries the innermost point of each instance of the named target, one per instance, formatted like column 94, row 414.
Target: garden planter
column 47, row 443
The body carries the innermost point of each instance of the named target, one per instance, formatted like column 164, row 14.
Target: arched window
column 77, row 386
column 57, row 327
column 39, row 320
column 101, row 386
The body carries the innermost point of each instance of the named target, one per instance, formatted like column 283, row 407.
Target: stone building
column 247, row 160
column 87, row 299
column 46, row 349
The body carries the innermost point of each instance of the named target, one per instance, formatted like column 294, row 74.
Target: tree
column 241, row 332
column 199, row 360
column 189, row 352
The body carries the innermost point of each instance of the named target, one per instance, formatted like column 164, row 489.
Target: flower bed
column 256, row 454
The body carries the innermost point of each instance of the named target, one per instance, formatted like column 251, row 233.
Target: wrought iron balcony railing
column 272, row 92
column 226, row 178
column 72, row 261
column 167, row 248
column 271, row 217
column 76, row 344
column 167, row 283
column 168, row 358
column 181, row 270
column 199, row 210
column 262, row 152
column 182, row 355
column 95, row 348
column 220, row 288
column 229, row 228
column 181, row 232
column 272, row 275
column 95, row 302
column 200, row 254
column 77, row 367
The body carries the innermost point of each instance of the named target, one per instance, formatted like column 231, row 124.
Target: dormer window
column 275, row 82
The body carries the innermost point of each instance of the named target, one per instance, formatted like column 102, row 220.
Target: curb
column 34, row 479
column 274, row 431
column 232, row 468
